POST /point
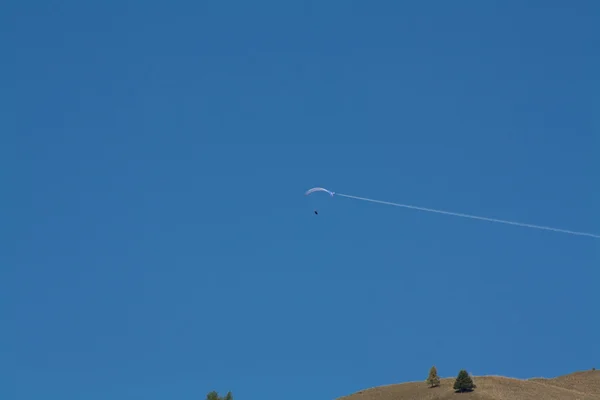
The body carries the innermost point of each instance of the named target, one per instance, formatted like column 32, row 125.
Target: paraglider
column 318, row 189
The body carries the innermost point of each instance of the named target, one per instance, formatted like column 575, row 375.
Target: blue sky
column 157, row 243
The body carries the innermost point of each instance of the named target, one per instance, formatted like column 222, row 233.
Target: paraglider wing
column 318, row 189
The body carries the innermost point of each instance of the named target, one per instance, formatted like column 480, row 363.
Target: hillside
column 584, row 385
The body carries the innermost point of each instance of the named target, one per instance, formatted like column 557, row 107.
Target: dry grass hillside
column 584, row 385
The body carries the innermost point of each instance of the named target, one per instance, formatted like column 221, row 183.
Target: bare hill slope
column 584, row 385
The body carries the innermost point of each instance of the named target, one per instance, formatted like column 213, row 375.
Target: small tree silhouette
column 433, row 379
column 215, row 396
column 212, row 396
column 463, row 382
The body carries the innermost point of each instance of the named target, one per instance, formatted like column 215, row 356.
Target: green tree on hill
column 212, row 396
column 433, row 379
column 463, row 382
column 215, row 396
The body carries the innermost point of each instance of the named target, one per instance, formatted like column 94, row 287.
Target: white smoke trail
column 470, row 216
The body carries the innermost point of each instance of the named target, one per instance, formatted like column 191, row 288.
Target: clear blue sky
column 156, row 240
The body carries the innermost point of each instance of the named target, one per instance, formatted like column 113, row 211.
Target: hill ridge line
column 578, row 385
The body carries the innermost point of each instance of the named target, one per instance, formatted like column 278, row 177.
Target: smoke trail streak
column 470, row 216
